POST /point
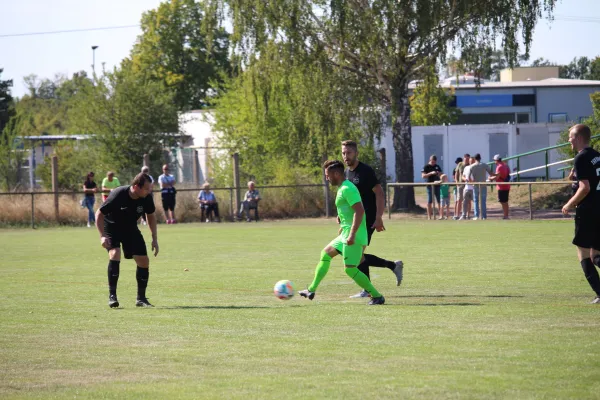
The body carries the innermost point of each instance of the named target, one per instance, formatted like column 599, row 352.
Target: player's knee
column 325, row 256
column 115, row 254
column 351, row 270
column 142, row 261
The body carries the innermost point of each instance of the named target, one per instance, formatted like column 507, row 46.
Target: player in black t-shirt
column 373, row 201
column 587, row 201
column 432, row 171
column 116, row 221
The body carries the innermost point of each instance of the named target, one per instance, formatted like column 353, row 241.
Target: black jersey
column 365, row 180
column 587, row 167
column 123, row 212
column 430, row 168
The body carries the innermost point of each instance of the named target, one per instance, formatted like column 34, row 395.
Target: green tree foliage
column 593, row 122
column 10, row 155
column 283, row 113
column 430, row 103
column 176, row 50
column 485, row 63
column 576, row 69
column 128, row 117
column 385, row 44
column 594, row 71
column 6, row 101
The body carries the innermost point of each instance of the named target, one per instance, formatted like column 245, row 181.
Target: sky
column 574, row 33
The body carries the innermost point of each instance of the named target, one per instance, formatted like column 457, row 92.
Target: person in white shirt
column 467, row 193
column 167, row 194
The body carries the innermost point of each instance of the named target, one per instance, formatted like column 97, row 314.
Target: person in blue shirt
column 208, row 204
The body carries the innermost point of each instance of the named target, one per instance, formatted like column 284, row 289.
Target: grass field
column 488, row 309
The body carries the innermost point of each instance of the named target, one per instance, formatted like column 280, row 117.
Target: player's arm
column 380, row 207
column 424, row 175
column 151, row 218
column 582, row 191
column 359, row 214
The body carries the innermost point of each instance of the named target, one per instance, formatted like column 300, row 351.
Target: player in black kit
column 371, row 194
column 116, row 221
column 587, row 201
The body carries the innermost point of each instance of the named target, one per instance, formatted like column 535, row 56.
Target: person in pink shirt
column 502, row 175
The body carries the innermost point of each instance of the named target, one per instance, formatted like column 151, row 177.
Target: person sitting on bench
column 250, row 202
column 208, row 204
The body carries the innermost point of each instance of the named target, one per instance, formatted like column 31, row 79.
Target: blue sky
column 46, row 55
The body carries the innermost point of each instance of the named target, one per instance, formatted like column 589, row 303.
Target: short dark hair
column 333, row 165
column 433, row 157
column 350, row 143
column 141, row 179
column 477, row 157
column 582, row 131
column 467, row 155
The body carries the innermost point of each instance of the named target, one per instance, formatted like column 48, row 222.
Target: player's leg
column 113, row 271
column 589, row 270
column 331, row 250
column 429, row 203
column 352, row 257
column 483, row 194
column 135, row 247
column 172, row 208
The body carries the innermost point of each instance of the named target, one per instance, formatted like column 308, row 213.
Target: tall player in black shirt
column 116, row 221
column 587, row 201
column 371, row 194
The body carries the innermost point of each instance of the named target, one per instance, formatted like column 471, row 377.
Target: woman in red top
column 502, row 175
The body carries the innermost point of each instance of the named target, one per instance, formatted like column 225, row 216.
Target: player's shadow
column 443, row 304
column 436, row 296
column 210, row 307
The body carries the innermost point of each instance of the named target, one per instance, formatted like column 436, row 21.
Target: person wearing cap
column 90, row 189
column 208, row 204
column 109, row 183
column 502, row 175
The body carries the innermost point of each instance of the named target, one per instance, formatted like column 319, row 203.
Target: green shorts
column 351, row 254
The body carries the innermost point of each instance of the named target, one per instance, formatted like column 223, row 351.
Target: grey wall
column 575, row 101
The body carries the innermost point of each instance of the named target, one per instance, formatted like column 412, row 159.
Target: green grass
column 494, row 309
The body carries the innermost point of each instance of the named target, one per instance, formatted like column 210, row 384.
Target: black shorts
column 132, row 241
column 503, row 196
column 587, row 229
column 168, row 201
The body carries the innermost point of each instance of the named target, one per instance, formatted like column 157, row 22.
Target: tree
column 6, row 101
column 594, row 71
column 128, row 117
column 576, row 69
column 430, row 103
column 542, row 62
column 175, row 50
column 486, row 63
column 385, row 43
column 593, row 122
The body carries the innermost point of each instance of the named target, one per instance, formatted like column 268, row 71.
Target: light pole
column 94, row 59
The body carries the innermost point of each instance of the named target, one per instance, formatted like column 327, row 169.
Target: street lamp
column 94, row 58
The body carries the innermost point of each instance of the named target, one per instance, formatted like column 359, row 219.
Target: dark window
column 523, row 100
column 522, row 118
column 452, row 102
column 475, row 119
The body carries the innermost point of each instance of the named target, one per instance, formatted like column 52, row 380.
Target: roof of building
column 469, row 83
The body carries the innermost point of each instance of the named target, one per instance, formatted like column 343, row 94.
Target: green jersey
column 444, row 190
column 347, row 196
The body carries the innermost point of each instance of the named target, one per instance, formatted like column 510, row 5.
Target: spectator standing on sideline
column 430, row 172
column 108, row 184
column 467, row 192
column 251, row 199
column 90, row 189
column 502, row 175
column 445, row 196
column 167, row 194
column 208, row 203
column 456, row 188
column 478, row 172
column 460, row 168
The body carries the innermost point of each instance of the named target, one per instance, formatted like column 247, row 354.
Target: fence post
column 518, row 169
column 530, row 204
column 231, row 204
column 32, row 212
column 146, row 160
column 236, row 179
column 387, row 189
column 195, row 174
column 55, row 184
column 547, row 168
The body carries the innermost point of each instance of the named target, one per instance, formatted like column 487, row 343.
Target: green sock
column 362, row 281
column 320, row 271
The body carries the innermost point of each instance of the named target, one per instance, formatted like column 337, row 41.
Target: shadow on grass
column 443, row 304
column 434, row 296
column 209, row 307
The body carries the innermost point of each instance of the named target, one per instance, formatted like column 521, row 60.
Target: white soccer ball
column 284, row 290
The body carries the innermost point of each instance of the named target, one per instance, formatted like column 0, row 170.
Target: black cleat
column 306, row 293
column 377, row 301
column 143, row 303
column 112, row 301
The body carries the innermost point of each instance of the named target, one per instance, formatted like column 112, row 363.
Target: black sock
column 591, row 274
column 142, row 275
column 597, row 260
column 364, row 268
column 113, row 276
column 375, row 261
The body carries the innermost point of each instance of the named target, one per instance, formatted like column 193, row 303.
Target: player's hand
column 350, row 240
column 338, row 219
column 565, row 210
column 155, row 247
column 105, row 242
column 378, row 225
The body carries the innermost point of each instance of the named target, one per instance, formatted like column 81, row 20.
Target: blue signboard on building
column 485, row 100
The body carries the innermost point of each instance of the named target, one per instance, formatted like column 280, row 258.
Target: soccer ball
column 284, row 290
